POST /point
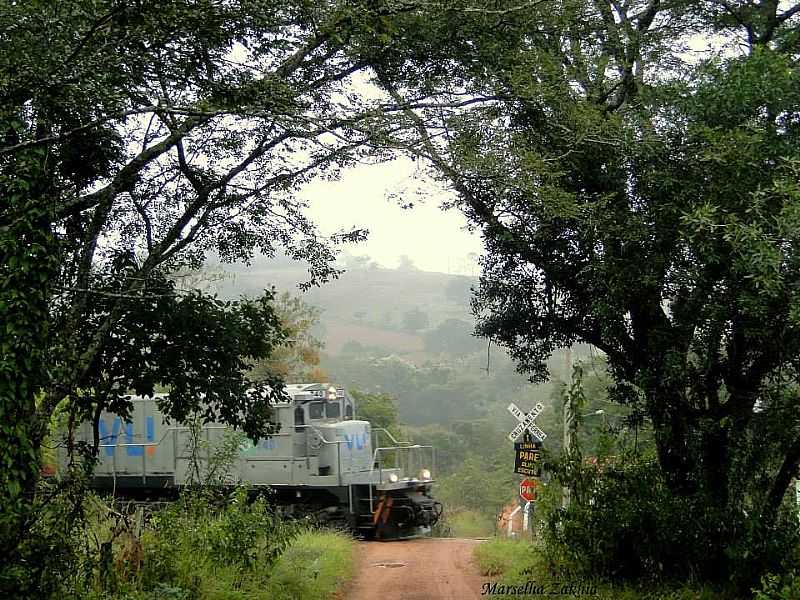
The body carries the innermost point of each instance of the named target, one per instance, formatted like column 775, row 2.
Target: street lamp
column 599, row 411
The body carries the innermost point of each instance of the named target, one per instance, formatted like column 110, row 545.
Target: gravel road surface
column 422, row 569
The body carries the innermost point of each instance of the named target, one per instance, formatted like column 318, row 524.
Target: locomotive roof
column 297, row 391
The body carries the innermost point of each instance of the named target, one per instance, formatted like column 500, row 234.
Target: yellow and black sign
column 527, row 457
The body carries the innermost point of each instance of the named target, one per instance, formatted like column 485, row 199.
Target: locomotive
column 322, row 460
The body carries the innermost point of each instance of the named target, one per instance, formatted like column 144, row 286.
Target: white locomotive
column 322, row 460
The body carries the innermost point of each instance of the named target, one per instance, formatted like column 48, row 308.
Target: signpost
column 526, row 455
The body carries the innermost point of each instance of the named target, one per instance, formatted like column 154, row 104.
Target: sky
column 435, row 240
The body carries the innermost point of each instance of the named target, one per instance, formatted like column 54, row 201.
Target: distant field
column 338, row 333
column 363, row 305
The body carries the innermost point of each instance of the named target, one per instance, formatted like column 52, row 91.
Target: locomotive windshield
column 316, row 410
column 332, row 410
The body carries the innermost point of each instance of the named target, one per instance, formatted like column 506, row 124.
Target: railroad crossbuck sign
column 526, row 422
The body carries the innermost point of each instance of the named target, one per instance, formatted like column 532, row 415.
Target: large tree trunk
column 787, row 471
column 716, row 464
column 28, row 265
column 671, row 436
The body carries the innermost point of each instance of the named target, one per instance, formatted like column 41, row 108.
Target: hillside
column 368, row 306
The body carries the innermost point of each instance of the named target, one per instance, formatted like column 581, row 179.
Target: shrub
column 777, row 587
column 203, row 547
column 625, row 523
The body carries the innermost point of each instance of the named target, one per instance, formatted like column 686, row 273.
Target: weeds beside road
column 513, row 563
column 201, row 547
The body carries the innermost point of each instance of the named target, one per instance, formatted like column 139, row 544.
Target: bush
column 207, row 549
column 625, row 523
column 205, row 546
column 777, row 587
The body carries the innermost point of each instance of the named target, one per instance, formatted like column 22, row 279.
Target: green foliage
column 624, row 522
column 131, row 146
column 298, row 357
column 206, row 549
column 445, row 392
column 465, row 523
column 313, row 566
column 27, row 265
column 52, row 552
column 205, row 546
column 503, row 556
column 378, row 409
column 515, row 562
column 211, row 463
column 777, row 587
column 478, row 485
column 642, row 199
column 196, row 345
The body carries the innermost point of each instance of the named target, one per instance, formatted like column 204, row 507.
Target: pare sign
column 527, row 457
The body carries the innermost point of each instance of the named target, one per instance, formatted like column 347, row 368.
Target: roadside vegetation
column 513, row 563
column 204, row 546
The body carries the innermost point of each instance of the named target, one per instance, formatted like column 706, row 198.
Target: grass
column 512, row 563
column 200, row 550
column 469, row 524
column 313, row 567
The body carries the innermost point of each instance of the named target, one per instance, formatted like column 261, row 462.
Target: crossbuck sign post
column 526, row 422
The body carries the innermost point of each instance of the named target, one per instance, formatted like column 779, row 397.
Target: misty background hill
column 404, row 332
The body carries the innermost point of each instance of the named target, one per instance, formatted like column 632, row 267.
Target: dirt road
column 424, row 569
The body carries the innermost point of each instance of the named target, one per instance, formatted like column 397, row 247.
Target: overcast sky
column 434, row 239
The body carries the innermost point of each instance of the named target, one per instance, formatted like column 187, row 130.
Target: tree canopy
column 134, row 138
column 638, row 195
column 297, row 359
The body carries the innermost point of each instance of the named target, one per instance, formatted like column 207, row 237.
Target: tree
column 415, row 319
column 377, row 408
column 298, row 358
column 458, row 290
column 453, row 336
column 136, row 136
column 639, row 200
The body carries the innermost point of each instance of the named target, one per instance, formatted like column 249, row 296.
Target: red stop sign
column 527, row 490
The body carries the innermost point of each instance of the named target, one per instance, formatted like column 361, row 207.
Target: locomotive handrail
column 391, row 437
column 158, row 443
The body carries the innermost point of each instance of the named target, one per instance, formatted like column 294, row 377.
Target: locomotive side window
column 316, row 410
column 299, row 418
column 348, row 411
column 333, row 410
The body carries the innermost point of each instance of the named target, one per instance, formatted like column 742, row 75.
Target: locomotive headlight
column 331, row 393
column 394, row 478
column 425, row 474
